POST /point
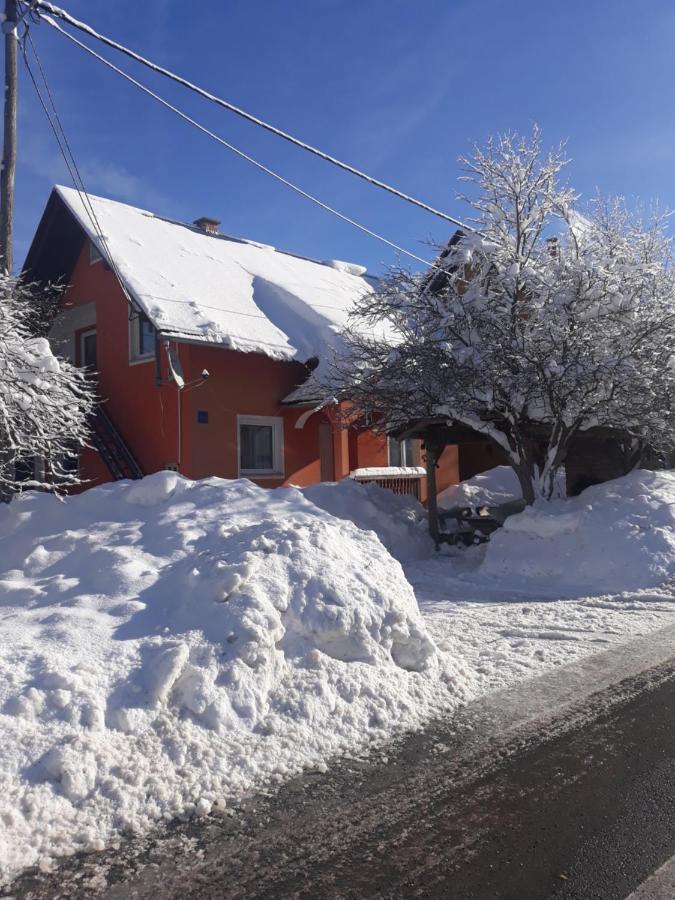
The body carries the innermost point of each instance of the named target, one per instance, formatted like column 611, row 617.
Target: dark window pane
column 395, row 455
column 411, row 454
column 89, row 350
column 257, row 447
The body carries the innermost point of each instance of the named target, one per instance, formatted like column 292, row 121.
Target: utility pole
column 9, row 138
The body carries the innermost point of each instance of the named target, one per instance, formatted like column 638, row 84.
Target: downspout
column 180, row 426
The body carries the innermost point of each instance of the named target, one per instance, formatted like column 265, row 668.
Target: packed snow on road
column 168, row 645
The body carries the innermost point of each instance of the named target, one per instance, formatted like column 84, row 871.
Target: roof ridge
column 227, row 237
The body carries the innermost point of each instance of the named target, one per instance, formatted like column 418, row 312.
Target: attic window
column 141, row 339
column 94, row 255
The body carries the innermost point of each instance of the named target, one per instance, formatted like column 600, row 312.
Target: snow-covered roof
column 223, row 290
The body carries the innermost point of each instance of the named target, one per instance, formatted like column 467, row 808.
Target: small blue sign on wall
column 203, row 416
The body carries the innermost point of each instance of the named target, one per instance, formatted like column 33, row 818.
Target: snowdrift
column 489, row 488
column 498, row 485
column 399, row 522
column 166, row 645
column 618, row 536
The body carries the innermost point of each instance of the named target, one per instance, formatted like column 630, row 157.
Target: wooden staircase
column 118, row 458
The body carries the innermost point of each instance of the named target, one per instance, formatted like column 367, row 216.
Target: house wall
column 244, row 384
column 368, row 449
column 145, row 414
column 70, row 322
column 148, row 415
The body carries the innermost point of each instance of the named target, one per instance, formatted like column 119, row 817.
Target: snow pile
column 614, row 537
column 166, row 645
column 490, row 488
column 399, row 521
column 341, row 266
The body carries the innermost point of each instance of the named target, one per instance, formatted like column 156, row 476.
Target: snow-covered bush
column 534, row 328
column 44, row 401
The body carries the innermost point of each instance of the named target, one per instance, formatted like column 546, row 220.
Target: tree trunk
column 525, row 473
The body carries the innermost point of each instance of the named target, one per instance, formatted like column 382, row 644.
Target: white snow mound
column 400, row 522
column 166, row 645
column 498, row 485
column 618, row 536
column 489, row 488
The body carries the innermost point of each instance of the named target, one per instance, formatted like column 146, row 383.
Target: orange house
column 200, row 343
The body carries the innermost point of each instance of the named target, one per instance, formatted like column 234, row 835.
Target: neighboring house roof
column 204, row 287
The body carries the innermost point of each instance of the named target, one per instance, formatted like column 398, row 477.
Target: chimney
column 210, row 226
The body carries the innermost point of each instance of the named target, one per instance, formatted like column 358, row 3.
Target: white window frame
column 277, row 425
column 405, row 462
column 135, row 356
column 94, row 255
column 80, row 350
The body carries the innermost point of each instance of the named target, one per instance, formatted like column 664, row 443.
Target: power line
column 39, row 6
column 58, row 130
column 239, row 152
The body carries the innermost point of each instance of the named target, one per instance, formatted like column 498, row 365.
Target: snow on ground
column 559, row 581
column 504, row 633
column 166, row 645
column 614, row 537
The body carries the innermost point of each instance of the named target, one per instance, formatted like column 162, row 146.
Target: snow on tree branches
column 542, row 324
column 45, row 402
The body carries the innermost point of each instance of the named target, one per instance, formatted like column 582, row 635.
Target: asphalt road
column 581, row 807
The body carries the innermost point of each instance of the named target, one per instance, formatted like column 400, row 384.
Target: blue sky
column 397, row 88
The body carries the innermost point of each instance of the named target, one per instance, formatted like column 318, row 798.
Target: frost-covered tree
column 45, row 402
column 537, row 326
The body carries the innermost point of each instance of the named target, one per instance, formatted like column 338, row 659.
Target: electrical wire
column 69, row 158
column 40, row 7
column 238, row 152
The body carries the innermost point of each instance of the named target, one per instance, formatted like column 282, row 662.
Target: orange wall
column 147, row 414
column 243, row 384
column 144, row 413
column 371, row 450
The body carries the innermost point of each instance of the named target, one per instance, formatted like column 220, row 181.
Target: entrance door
column 326, row 452
column 87, row 349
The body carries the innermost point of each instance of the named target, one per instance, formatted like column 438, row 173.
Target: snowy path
column 505, row 634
